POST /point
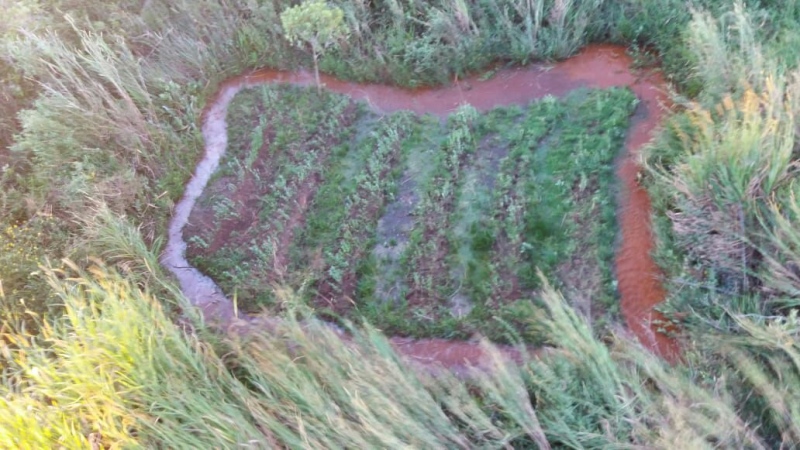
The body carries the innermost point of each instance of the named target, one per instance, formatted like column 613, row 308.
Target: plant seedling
column 316, row 24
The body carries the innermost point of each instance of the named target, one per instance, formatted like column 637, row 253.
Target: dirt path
column 598, row 66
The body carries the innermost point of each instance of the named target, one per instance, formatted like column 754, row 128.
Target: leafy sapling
column 314, row 24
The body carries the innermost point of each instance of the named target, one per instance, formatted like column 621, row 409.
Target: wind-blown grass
column 116, row 366
column 720, row 163
column 115, row 369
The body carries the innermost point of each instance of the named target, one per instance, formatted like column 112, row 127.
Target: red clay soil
column 638, row 276
column 297, row 218
column 457, row 356
column 598, row 66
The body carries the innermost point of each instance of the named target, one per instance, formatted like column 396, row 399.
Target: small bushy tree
column 315, row 24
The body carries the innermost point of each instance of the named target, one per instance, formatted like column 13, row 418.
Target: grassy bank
column 116, row 371
column 100, row 129
column 723, row 179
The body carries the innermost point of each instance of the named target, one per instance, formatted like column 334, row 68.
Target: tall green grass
column 96, row 126
column 721, row 162
column 116, row 369
column 725, row 177
column 116, row 117
column 734, row 158
column 115, row 366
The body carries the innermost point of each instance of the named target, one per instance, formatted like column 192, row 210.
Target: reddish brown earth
column 638, row 276
column 598, row 66
column 457, row 356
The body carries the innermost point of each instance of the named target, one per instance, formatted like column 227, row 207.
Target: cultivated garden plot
column 424, row 227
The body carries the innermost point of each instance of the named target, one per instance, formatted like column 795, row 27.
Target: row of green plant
column 554, row 210
column 472, row 266
column 570, row 195
column 383, row 284
column 427, row 281
column 345, row 226
column 487, row 248
column 497, row 240
column 451, row 250
column 430, row 262
column 264, row 171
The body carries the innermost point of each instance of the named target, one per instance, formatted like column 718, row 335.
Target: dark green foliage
column 462, row 241
column 270, row 162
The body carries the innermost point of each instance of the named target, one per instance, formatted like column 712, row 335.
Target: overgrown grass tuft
column 116, row 370
column 718, row 166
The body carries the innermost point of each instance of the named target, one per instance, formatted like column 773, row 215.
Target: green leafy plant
column 315, row 24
